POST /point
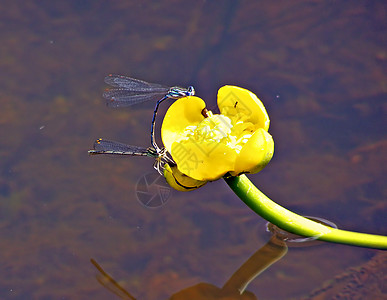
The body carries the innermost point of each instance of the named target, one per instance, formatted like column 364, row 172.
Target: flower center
column 220, row 129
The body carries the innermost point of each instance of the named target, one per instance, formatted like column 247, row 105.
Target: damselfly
column 132, row 91
column 115, row 148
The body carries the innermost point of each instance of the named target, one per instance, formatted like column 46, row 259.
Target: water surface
column 320, row 69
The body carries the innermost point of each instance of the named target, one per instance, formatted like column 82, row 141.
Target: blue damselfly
column 132, row 91
column 102, row 146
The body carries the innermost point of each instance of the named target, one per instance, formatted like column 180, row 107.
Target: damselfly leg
column 130, row 91
column 102, row 146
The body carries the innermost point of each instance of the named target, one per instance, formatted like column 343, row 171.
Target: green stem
column 297, row 224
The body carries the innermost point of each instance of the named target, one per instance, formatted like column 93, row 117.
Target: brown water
column 319, row 67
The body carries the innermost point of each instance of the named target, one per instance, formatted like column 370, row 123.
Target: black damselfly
column 132, row 91
column 102, row 146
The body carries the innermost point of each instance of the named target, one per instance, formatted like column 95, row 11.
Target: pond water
column 319, row 67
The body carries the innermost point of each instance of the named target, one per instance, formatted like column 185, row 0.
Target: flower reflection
column 234, row 288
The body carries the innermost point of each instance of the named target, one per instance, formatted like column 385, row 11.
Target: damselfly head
column 190, row 91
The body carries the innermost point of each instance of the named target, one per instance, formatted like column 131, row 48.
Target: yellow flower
column 206, row 148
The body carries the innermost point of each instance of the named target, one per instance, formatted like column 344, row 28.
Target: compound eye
column 191, row 91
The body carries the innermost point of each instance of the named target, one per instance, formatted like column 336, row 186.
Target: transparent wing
column 134, row 84
column 123, row 97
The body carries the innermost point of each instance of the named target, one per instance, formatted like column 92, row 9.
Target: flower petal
column 182, row 113
column 180, row 181
column 202, row 160
column 255, row 154
column 236, row 102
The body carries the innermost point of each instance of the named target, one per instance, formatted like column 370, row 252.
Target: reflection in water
column 294, row 240
column 351, row 282
column 234, row 288
column 108, row 282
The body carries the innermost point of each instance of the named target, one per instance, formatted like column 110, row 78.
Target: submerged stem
column 297, row 224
